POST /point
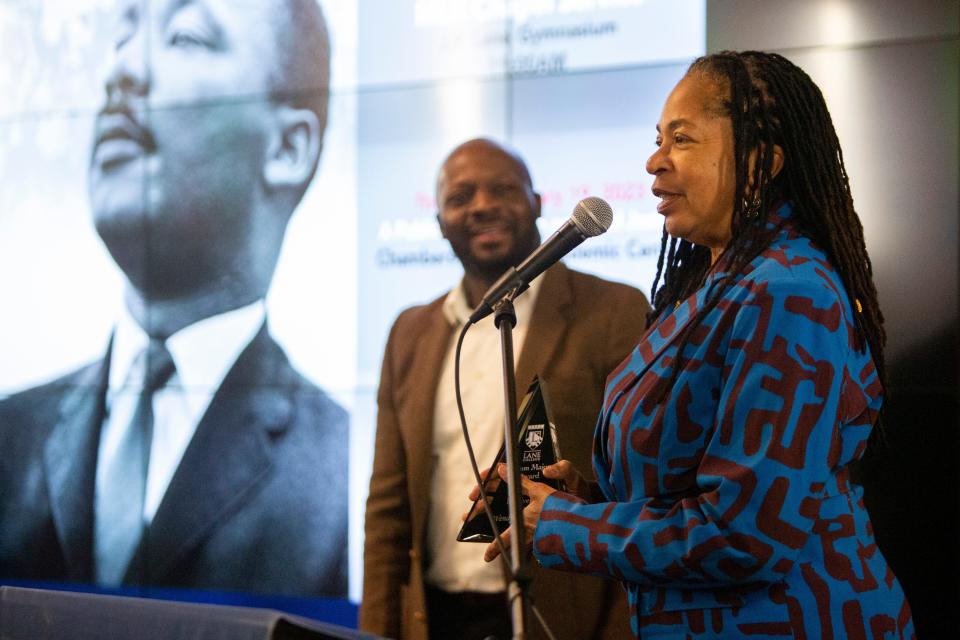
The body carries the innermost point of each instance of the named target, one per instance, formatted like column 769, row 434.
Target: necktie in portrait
column 122, row 476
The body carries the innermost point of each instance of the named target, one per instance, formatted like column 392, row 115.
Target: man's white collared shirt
column 459, row 566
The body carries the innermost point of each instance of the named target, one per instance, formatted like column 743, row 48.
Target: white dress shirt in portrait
column 203, row 353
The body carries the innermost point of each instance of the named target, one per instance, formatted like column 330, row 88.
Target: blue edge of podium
column 51, row 611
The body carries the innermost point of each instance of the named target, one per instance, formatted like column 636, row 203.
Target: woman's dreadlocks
column 770, row 101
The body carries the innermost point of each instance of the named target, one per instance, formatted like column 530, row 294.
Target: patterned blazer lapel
column 70, row 460
column 654, row 342
column 668, row 327
column 236, row 433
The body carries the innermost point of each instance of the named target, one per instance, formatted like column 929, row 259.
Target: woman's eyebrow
column 675, row 124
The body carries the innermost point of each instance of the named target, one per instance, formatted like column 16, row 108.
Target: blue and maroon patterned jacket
column 730, row 512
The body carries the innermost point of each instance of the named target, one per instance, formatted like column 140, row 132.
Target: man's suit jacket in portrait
column 581, row 328
column 258, row 501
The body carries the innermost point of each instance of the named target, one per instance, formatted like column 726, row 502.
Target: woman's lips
column 667, row 198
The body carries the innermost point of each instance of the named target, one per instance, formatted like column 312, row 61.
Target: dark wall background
column 889, row 71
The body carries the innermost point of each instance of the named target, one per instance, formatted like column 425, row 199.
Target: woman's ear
column 777, row 160
column 776, row 163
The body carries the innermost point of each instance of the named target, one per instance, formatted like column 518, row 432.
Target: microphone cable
column 508, row 573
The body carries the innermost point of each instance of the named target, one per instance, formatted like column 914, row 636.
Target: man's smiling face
column 487, row 208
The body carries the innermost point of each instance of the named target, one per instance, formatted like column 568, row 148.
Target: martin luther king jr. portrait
column 191, row 452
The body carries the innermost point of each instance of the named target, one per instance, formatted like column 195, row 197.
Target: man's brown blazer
column 581, row 328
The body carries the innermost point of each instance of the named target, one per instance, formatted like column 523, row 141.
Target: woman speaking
column 722, row 451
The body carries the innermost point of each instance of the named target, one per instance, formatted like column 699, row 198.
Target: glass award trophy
column 537, row 447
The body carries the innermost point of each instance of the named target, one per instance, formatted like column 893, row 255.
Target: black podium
column 40, row 614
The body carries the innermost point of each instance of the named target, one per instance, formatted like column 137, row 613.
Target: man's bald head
column 487, row 145
column 301, row 75
column 487, row 208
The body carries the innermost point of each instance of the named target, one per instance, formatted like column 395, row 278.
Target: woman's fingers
column 572, row 478
column 561, row 470
column 538, row 492
column 491, row 481
column 492, row 551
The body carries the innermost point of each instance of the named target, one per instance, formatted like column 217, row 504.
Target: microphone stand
column 505, row 320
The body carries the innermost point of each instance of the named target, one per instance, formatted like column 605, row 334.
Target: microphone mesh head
column 592, row 216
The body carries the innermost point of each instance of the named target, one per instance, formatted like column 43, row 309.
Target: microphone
column 591, row 217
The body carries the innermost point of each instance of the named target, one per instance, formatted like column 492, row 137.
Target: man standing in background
column 572, row 330
column 192, row 454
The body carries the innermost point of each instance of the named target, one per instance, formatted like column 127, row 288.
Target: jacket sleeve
column 387, row 533
column 767, row 457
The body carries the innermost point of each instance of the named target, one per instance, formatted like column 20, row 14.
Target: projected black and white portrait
column 210, row 213
column 190, row 452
